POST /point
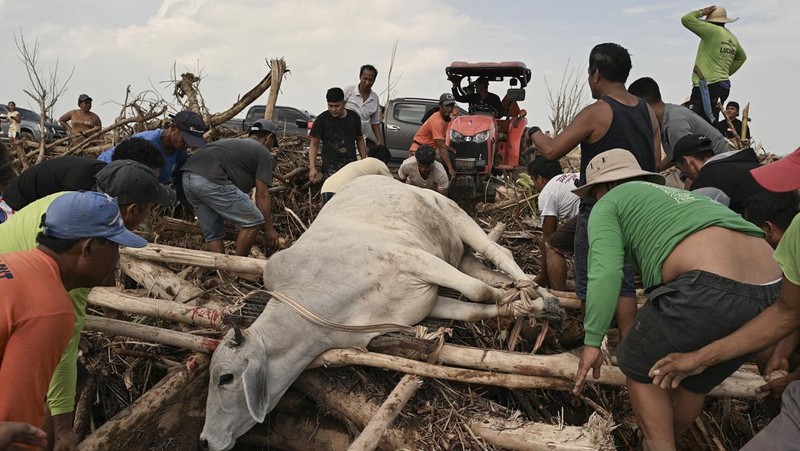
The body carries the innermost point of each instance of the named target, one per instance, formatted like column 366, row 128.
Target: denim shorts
column 214, row 204
column 686, row 314
column 581, row 257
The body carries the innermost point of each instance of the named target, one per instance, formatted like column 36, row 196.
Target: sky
column 113, row 44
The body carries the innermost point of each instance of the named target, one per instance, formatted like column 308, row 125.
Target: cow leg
column 449, row 308
column 470, row 265
column 434, row 270
column 473, row 236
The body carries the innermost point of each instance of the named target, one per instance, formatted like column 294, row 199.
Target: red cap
column 780, row 176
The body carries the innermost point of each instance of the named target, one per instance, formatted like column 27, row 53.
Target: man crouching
column 707, row 272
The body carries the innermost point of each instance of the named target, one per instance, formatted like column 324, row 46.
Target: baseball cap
column 733, row 104
column 84, row 98
column 79, row 215
column 192, row 127
column 132, row 182
column 780, row 176
column 264, row 125
column 690, row 145
column 447, row 99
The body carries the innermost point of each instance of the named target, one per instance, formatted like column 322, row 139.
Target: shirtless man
column 80, row 120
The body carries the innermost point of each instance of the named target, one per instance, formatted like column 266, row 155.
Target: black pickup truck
column 285, row 117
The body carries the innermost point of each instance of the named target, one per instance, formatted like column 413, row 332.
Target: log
column 490, row 207
column 379, row 424
column 203, row 259
column 248, row 98
column 510, row 434
column 179, row 225
column 156, row 308
column 161, row 281
column 354, row 407
column 279, row 66
column 151, row 334
column 94, row 135
column 291, row 432
column 117, row 430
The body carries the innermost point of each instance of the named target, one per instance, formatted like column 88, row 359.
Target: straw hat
column 611, row 166
column 720, row 15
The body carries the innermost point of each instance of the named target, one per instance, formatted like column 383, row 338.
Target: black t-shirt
column 731, row 175
column 52, row 176
column 234, row 160
column 338, row 136
column 727, row 132
column 492, row 100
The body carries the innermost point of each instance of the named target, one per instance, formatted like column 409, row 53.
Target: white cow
column 377, row 253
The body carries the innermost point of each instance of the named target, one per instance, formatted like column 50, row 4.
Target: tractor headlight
column 456, row 136
column 481, row 137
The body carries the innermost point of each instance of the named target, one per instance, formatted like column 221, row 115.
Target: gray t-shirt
column 679, row 121
column 234, row 160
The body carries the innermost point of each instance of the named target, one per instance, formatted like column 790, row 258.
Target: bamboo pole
column 163, row 282
column 379, row 424
column 156, row 308
column 114, row 431
column 203, row 259
column 151, row 334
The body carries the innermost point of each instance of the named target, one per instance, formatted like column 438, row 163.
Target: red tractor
column 486, row 141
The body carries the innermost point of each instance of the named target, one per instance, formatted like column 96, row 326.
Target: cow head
column 237, row 391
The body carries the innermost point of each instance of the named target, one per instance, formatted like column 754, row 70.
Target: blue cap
column 75, row 216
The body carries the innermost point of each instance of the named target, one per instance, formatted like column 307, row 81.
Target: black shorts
column 563, row 239
column 686, row 314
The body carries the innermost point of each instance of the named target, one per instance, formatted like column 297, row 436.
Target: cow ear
column 256, row 393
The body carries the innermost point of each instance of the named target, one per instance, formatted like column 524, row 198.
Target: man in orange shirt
column 434, row 130
column 78, row 248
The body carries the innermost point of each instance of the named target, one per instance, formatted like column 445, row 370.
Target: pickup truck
column 286, row 118
column 401, row 120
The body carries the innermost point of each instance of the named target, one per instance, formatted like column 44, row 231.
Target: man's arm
column 738, row 60
column 313, row 149
column 772, row 325
column 701, row 28
column 361, row 144
column 579, row 130
column 264, row 205
column 66, row 117
column 549, row 226
column 659, row 162
column 442, row 183
column 444, row 154
column 376, row 129
column 459, row 93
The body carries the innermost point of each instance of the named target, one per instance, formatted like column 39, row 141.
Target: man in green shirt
column 719, row 56
column 136, row 189
column 707, row 272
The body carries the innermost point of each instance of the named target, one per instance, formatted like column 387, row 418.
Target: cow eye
column 225, row 379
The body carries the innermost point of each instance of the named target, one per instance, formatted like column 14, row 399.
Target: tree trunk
column 156, row 308
column 117, row 431
column 152, row 334
column 379, row 425
column 279, row 66
column 203, row 259
column 161, row 281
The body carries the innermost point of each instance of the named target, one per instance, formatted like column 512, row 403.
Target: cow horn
column 238, row 336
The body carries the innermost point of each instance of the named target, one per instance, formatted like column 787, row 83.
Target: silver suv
column 29, row 126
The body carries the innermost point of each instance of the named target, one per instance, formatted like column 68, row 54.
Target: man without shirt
column 617, row 119
column 82, row 119
column 364, row 101
column 557, row 203
column 339, row 131
column 424, row 171
column 706, row 271
column 217, row 180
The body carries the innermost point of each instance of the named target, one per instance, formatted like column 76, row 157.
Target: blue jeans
column 214, row 203
column 581, row 257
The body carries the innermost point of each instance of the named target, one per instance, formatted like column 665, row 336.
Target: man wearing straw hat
column 707, row 272
column 719, row 56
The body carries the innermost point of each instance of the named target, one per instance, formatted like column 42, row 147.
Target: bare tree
column 45, row 89
column 391, row 82
column 568, row 100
